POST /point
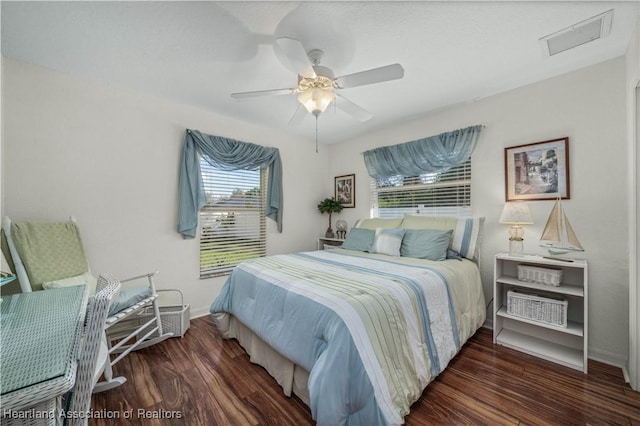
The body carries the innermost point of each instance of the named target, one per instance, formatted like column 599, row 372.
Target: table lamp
column 516, row 213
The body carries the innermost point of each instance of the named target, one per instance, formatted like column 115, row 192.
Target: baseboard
column 197, row 313
column 609, row 358
column 625, row 373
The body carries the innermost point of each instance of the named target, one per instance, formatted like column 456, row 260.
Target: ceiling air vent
column 583, row 32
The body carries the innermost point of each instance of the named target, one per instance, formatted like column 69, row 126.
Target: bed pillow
column 466, row 232
column 466, row 236
column 388, row 241
column 359, row 239
column 452, row 254
column 429, row 244
column 377, row 222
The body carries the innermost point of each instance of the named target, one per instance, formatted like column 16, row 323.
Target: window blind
column 232, row 223
column 430, row 194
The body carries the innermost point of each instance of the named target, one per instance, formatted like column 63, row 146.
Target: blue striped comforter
column 371, row 330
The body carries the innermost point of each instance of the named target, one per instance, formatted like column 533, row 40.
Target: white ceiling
column 198, row 53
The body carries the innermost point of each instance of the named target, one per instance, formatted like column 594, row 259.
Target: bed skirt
column 291, row 377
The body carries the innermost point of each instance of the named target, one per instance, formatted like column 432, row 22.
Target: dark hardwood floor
column 203, row 379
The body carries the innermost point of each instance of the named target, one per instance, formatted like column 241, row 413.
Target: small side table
column 325, row 243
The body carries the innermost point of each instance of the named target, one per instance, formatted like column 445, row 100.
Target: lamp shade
column 516, row 213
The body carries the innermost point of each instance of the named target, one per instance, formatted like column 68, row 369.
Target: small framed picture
column 345, row 190
column 537, row 171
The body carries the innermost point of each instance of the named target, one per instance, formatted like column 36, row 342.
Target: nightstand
column 525, row 326
column 326, row 243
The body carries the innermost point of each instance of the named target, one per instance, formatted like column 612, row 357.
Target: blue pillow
column 388, row 241
column 359, row 239
column 129, row 297
column 429, row 244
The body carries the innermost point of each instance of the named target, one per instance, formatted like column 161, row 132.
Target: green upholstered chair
column 51, row 255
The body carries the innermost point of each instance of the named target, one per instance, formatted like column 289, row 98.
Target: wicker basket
column 537, row 308
column 535, row 274
column 175, row 318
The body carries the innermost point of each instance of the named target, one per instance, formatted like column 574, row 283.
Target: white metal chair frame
column 123, row 327
column 120, row 329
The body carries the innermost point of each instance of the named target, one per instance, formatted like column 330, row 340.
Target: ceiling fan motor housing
column 315, row 56
column 324, row 79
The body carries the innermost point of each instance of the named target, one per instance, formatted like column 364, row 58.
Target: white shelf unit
column 566, row 346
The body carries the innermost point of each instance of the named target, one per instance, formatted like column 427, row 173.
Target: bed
column 356, row 333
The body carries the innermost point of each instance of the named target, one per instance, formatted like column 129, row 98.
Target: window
column 434, row 194
column 232, row 223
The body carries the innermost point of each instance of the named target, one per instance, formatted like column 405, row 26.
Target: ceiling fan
column 318, row 87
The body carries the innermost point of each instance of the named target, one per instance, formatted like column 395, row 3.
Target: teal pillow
column 388, row 241
column 429, row 244
column 359, row 239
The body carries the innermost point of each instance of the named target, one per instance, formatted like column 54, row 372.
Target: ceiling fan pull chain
column 316, row 134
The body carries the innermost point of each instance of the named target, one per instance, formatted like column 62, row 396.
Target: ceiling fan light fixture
column 316, row 99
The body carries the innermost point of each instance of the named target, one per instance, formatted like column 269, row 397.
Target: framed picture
column 345, row 190
column 537, row 171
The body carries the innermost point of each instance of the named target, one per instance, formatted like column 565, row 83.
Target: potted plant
column 329, row 205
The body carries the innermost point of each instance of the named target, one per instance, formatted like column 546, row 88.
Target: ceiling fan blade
column 352, row 109
column 375, row 75
column 298, row 116
column 296, row 56
column 260, row 93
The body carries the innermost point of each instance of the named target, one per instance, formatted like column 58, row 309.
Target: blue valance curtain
column 427, row 155
column 225, row 154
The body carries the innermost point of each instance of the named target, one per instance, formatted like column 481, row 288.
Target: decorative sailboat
column 558, row 237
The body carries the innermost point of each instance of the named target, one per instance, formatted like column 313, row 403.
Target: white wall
column 110, row 158
column 589, row 107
